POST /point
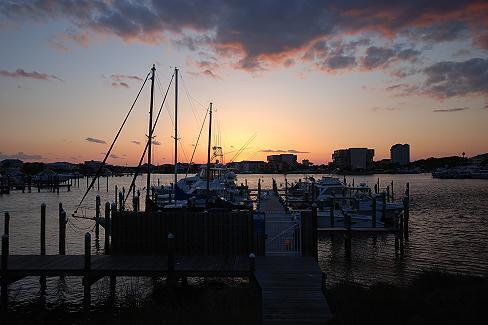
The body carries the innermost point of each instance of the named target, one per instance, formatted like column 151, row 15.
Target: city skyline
column 306, row 78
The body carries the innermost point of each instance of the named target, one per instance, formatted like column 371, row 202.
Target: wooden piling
column 107, row 228
column 62, row 232
column 86, row 279
column 388, row 193
column 43, row 229
column 392, row 192
column 347, row 235
column 332, row 217
column 252, row 264
column 314, row 238
column 406, row 212
column 97, row 216
column 6, row 228
column 4, row 280
column 107, row 183
column 373, row 212
column 383, row 210
column 121, row 201
column 116, row 194
column 42, row 279
column 171, row 260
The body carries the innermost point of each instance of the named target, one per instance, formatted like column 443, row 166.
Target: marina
column 259, row 162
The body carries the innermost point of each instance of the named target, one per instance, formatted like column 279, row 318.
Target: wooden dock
column 291, row 288
column 289, row 275
column 290, row 285
column 106, row 265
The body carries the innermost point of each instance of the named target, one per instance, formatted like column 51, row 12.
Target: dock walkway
column 291, row 284
column 291, row 288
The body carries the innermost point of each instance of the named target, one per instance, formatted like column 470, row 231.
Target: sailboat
column 214, row 186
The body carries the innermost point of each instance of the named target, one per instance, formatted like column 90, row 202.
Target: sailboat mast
column 176, row 131
column 208, row 150
column 148, row 184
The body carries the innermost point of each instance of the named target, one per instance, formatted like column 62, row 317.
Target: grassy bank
column 432, row 298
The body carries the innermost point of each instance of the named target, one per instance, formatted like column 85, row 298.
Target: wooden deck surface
column 270, row 203
column 73, row 265
column 291, row 290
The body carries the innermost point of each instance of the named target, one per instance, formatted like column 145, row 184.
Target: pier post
column 86, row 181
column 388, row 194
column 400, row 232
column 383, row 208
column 86, row 277
column 314, row 239
column 107, row 228
column 378, row 185
column 396, row 226
column 62, row 232
column 252, row 266
column 171, row 260
column 347, row 235
column 332, row 215
column 406, row 212
column 4, row 280
column 30, row 184
column 134, row 203
column 392, row 192
column 43, row 229
column 121, row 201
column 42, row 279
column 97, row 216
column 373, row 212
column 6, row 228
column 116, row 195
column 107, row 183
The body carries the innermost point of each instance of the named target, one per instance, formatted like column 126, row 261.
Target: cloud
column 20, row 155
column 120, row 84
column 379, row 57
column 136, row 142
column 387, row 109
column 449, row 79
column 450, row 110
column 121, row 80
column 156, row 143
column 114, row 156
column 226, row 27
column 94, row 140
column 21, row 73
column 60, row 41
column 122, row 77
column 283, row 151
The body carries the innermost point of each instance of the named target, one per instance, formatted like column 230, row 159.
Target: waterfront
column 447, row 218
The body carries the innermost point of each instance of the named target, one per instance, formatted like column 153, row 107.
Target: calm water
column 448, row 231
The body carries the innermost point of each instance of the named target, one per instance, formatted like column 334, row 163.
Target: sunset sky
column 305, row 77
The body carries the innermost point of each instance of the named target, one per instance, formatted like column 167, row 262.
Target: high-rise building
column 400, row 154
column 353, row 159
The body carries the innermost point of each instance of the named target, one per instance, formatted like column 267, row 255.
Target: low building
column 250, row 166
column 282, row 162
column 353, row 159
column 400, row 154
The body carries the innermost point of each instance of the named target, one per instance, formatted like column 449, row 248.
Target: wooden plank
column 291, row 290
